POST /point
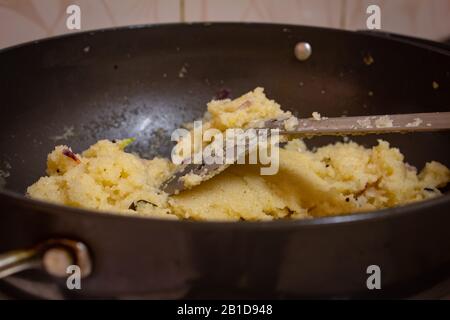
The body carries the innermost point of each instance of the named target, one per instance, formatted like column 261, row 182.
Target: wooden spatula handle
column 414, row 122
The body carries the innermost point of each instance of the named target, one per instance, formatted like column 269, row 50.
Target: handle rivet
column 302, row 51
column 56, row 261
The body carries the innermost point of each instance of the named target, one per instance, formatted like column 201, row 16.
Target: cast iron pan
column 126, row 82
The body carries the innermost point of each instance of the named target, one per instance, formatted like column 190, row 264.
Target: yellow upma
column 334, row 179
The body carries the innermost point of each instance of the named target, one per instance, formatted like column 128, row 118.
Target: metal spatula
column 415, row 122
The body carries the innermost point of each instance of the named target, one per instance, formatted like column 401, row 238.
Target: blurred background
column 25, row 20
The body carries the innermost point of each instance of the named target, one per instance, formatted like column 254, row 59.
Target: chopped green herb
column 125, row 143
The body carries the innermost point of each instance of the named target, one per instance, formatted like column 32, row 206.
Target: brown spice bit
column 223, row 94
column 133, row 205
column 71, row 155
column 368, row 59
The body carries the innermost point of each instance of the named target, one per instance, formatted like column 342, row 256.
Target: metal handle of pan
column 53, row 256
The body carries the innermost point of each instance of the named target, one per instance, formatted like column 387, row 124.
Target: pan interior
column 145, row 82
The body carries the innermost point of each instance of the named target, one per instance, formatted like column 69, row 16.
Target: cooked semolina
column 335, row 179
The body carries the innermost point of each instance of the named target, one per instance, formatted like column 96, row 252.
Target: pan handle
column 53, row 256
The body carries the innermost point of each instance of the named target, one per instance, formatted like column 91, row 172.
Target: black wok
column 106, row 84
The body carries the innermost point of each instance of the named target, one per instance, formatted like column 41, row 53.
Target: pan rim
column 395, row 37
column 374, row 215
